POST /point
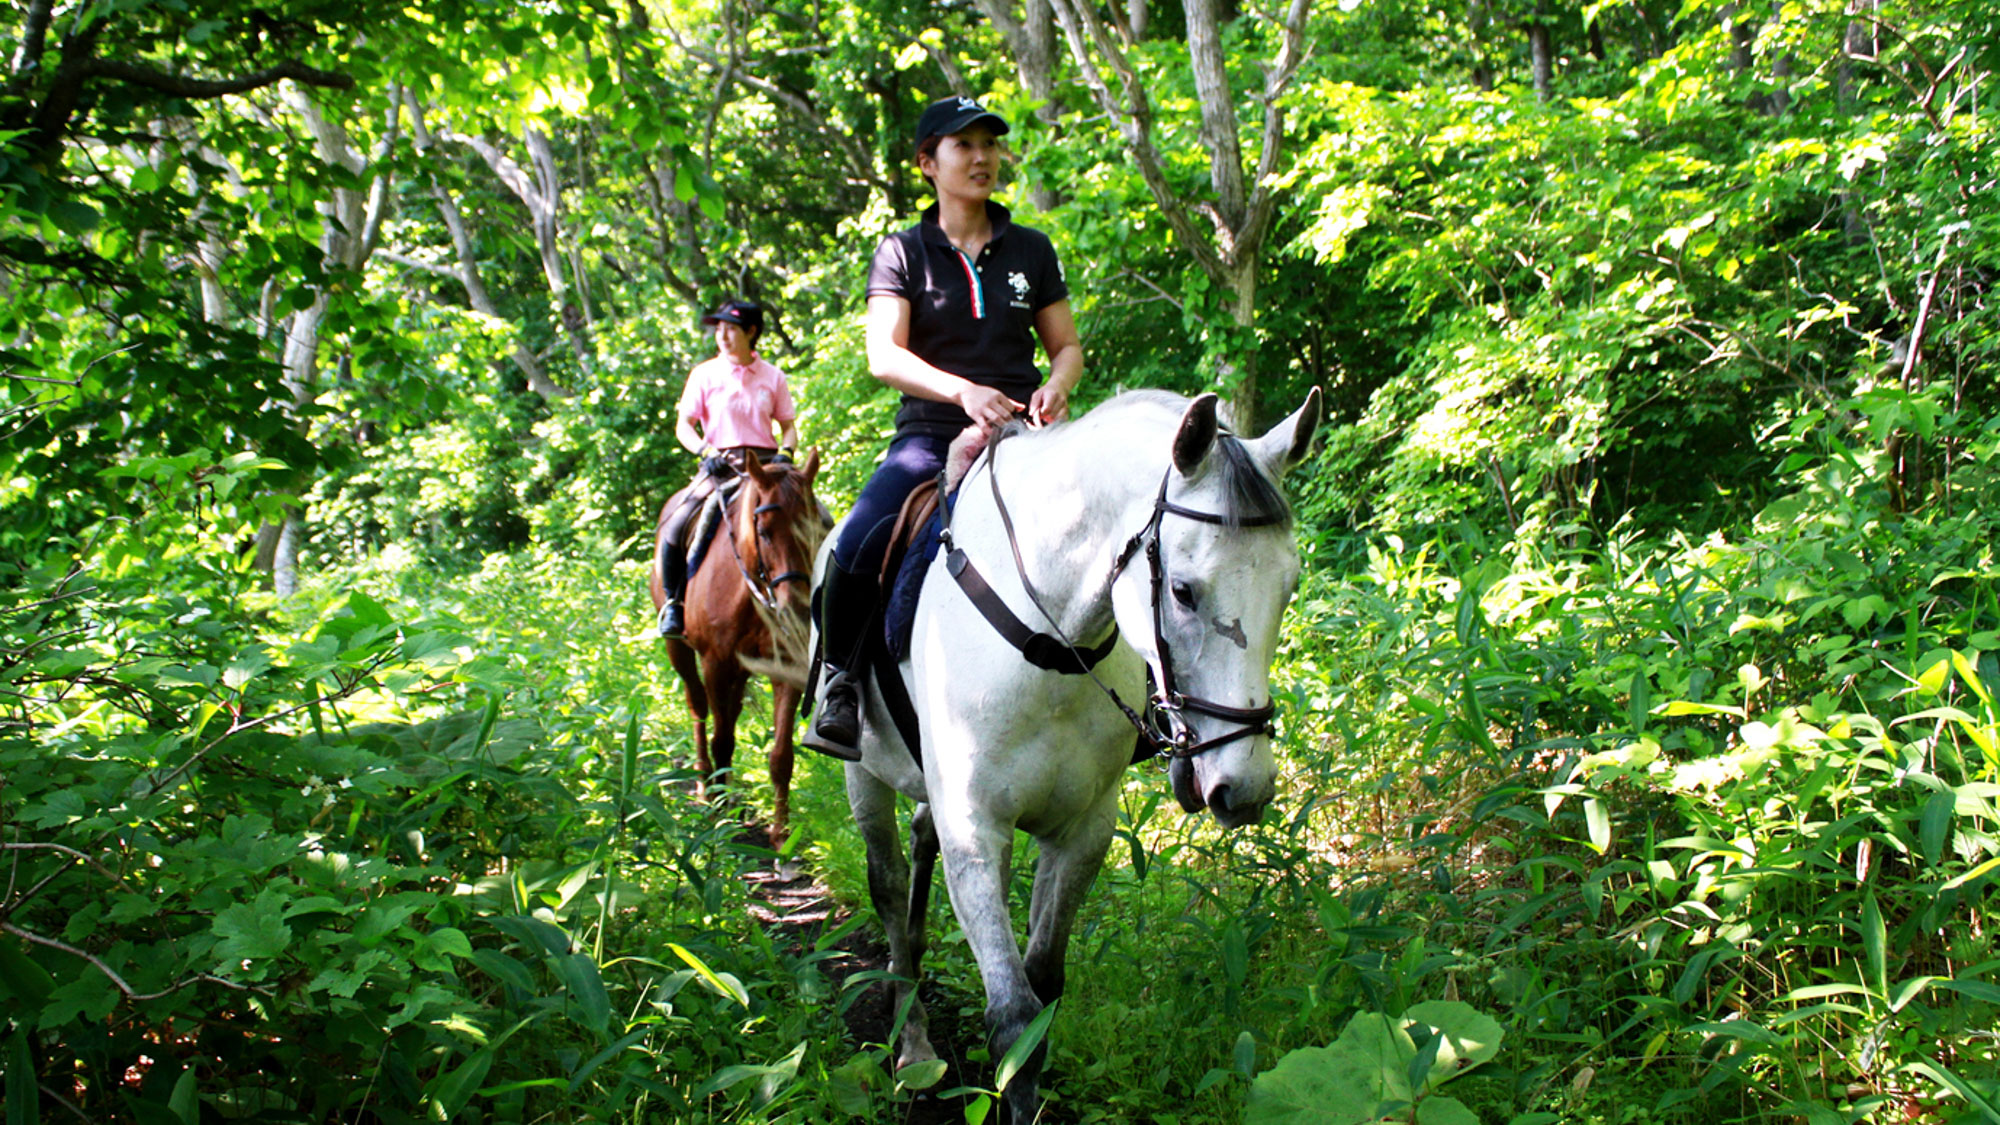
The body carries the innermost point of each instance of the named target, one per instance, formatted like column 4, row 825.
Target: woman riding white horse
column 1141, row 540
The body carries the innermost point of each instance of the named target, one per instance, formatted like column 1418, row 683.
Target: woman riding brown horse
column 746, row 611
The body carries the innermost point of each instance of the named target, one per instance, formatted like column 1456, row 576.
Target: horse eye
column 1184, row 594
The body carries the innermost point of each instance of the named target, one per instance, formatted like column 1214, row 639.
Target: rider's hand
column 1049, row 404
column 986, row 406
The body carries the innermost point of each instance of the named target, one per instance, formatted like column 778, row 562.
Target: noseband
column 1164, row 728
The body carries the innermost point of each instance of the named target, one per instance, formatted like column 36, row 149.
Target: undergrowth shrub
column 1718, row 811
column 406, row 847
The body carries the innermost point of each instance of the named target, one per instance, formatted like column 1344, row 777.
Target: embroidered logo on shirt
column 1019, row 281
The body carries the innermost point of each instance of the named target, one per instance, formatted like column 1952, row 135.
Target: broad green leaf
column 449, row 1092
column 252, row 931
column 1470, row 1037
column 1441, row 1110
column 585, row 983
column 922, row 1075
column 1597, row 821
column 24, row 1096
column 721, row 984
column 590, row 1065
column 1333, row 1085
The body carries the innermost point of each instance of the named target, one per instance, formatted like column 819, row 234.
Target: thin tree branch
column 184, row 87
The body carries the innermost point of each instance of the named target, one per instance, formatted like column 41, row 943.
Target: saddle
column 708, row 520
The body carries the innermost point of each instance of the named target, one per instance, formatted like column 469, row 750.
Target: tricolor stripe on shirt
column 972, row 281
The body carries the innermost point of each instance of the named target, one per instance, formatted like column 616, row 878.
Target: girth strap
column 1043, row 651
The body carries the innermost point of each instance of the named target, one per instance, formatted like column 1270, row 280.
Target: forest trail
column 795, row 907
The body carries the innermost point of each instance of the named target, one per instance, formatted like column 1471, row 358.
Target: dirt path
column 796, row 908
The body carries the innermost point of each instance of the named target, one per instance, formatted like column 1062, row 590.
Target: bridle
column 1168, row 702
column 1164, row 728
column 763, row 586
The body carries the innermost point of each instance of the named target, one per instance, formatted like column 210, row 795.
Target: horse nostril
column 1222, row 799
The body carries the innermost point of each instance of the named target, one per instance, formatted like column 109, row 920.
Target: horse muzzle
column 1232, row 803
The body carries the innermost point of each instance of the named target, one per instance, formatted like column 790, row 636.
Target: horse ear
column 811, row 468
column 1196, row 435
column 1286, row 443
column 755, row 467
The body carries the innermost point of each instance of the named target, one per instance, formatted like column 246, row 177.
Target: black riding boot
column 847, row 610
column 673, row 563
column 673, row 585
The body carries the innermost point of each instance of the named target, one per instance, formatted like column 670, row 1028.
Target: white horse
column 1147, row 536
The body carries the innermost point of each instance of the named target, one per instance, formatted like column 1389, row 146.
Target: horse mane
column 1250, row 495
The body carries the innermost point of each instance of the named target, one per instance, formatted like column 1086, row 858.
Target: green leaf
column 1875, row 944
column 252, row 931
column 185, row 1101
column 449, row 1093
column 585, row 983
column 590, row 1066
column 1597, row 821
column 719, row 983
column 24, row 1095
column 1031, row 1037
column 1976, row 989
column 922, row 1075
column 1934, row 830
column 1335, row 1085
column 1440, row 1110
column 1469, row 1036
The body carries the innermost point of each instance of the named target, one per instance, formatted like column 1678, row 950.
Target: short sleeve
column 693, row 405
column 889, row 273
column 1051, row 285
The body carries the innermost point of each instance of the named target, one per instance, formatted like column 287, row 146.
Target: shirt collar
column 997, row 215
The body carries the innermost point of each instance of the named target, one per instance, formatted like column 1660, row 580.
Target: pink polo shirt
column 736, row 405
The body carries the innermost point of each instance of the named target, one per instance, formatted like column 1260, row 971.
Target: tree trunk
column 468, row 272
column 1542, row 58
column 1032, row 40
column 348, row 240
column 1229, row 245
column 1480, row 19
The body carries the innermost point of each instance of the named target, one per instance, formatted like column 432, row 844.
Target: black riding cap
column 955, row 115
column 743, row 314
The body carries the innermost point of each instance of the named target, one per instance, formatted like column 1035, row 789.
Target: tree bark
column 539, row 188
column 468, row 271
column 1032, row 41
column 1243, row 207
column 1541, row 55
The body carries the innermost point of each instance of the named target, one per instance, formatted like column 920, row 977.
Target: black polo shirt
column 973, row 319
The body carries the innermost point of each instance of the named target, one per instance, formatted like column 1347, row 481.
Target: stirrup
column 836, row 725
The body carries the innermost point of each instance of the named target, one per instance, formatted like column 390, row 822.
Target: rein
column 1059, row 654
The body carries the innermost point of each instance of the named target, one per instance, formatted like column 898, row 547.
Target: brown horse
column 747, row 611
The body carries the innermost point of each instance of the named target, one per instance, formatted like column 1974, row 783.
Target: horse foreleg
column 726, row 679
column 1068, row 865
column 898, row 905
column 695, row 690
column 978, row 854
column 784, row 712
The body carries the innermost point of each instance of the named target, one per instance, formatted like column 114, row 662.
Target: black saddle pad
column 899, row 607
column 707, row 521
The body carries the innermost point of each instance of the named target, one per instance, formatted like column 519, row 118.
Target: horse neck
column 1075, row 496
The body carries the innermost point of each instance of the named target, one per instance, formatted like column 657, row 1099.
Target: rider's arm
column 892, row 361
column 690, row 438
column 1057, row 329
